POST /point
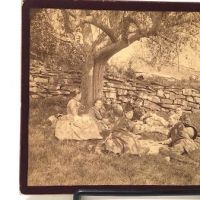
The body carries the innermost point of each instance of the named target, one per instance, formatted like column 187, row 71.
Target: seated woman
column 121, row 140
column 96, row 112
column 74, row 126
column 181, row 136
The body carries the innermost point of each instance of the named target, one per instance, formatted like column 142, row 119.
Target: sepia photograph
column 114, row 98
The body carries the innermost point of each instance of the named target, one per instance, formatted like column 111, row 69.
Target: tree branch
column 100, row 39
column 103, row 27
column 139, row 33
column 108, row 51
column 135, row 22
column 66, row 21
column 156, row 22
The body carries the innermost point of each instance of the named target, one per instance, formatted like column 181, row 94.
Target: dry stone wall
column 48, row 82
column 151, row 96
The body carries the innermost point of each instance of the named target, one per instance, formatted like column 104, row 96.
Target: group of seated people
column 118, row 128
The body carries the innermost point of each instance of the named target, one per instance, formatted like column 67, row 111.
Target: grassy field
column 52, row 162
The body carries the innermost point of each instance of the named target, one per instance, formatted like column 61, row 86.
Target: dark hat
column 128, row 107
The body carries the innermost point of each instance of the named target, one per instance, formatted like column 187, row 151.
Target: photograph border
column 92, row 5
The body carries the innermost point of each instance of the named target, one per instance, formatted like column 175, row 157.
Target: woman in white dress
column 74, row 126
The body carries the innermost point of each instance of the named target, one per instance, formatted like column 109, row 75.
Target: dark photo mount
column 106, row 189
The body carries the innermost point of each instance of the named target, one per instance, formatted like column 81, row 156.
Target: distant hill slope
column 138, row 56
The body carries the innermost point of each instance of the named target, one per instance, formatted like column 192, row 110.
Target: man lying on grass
column 181, row 139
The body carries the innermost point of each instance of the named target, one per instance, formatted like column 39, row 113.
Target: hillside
column 138, row 57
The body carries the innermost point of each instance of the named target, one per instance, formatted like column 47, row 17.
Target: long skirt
column 123, row 143
column 77, row 128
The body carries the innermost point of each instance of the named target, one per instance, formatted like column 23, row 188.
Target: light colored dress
column 75, row 127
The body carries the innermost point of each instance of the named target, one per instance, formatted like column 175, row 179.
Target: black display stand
column 80, row 193
column 98, row 192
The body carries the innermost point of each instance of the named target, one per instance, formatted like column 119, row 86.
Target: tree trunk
column 87, row 81
column 92, row 81
column 98, row 80
column 87, row 73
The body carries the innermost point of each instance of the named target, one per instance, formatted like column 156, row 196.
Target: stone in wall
column 51, row 80
column 33, row 89
column 190, row 99
column 130, row 92
column 193, row 105
column 66, row 92
column 196, row 110
column 177, row 91
column 143, row 95
column 122, row 92
column 35, row 96
column 154, row 99
column 160, row 93
column 164, row 110
column 124, row 99
column 32, row 84
column 66, row 81
column 150, row 105
column 184, row 103
column 167, row 95
column 169, row 106
column 187, row 92
column 196, row 93
column 43, row 95
column 197, row 99
column 125, row 87
column 166, row 101
column 178, row 101
column 187, row 109
column 172, row 96
column 65, row 88
column 30, row 78
column 41, row 80
column 51, row 87
column 111, row 95
column 157, row 87
column 180, row 96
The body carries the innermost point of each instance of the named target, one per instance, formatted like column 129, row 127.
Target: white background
column 10, row 77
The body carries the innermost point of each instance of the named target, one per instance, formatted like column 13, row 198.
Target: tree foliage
column 177, row 30
column 51, row 41
column 63, row 31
